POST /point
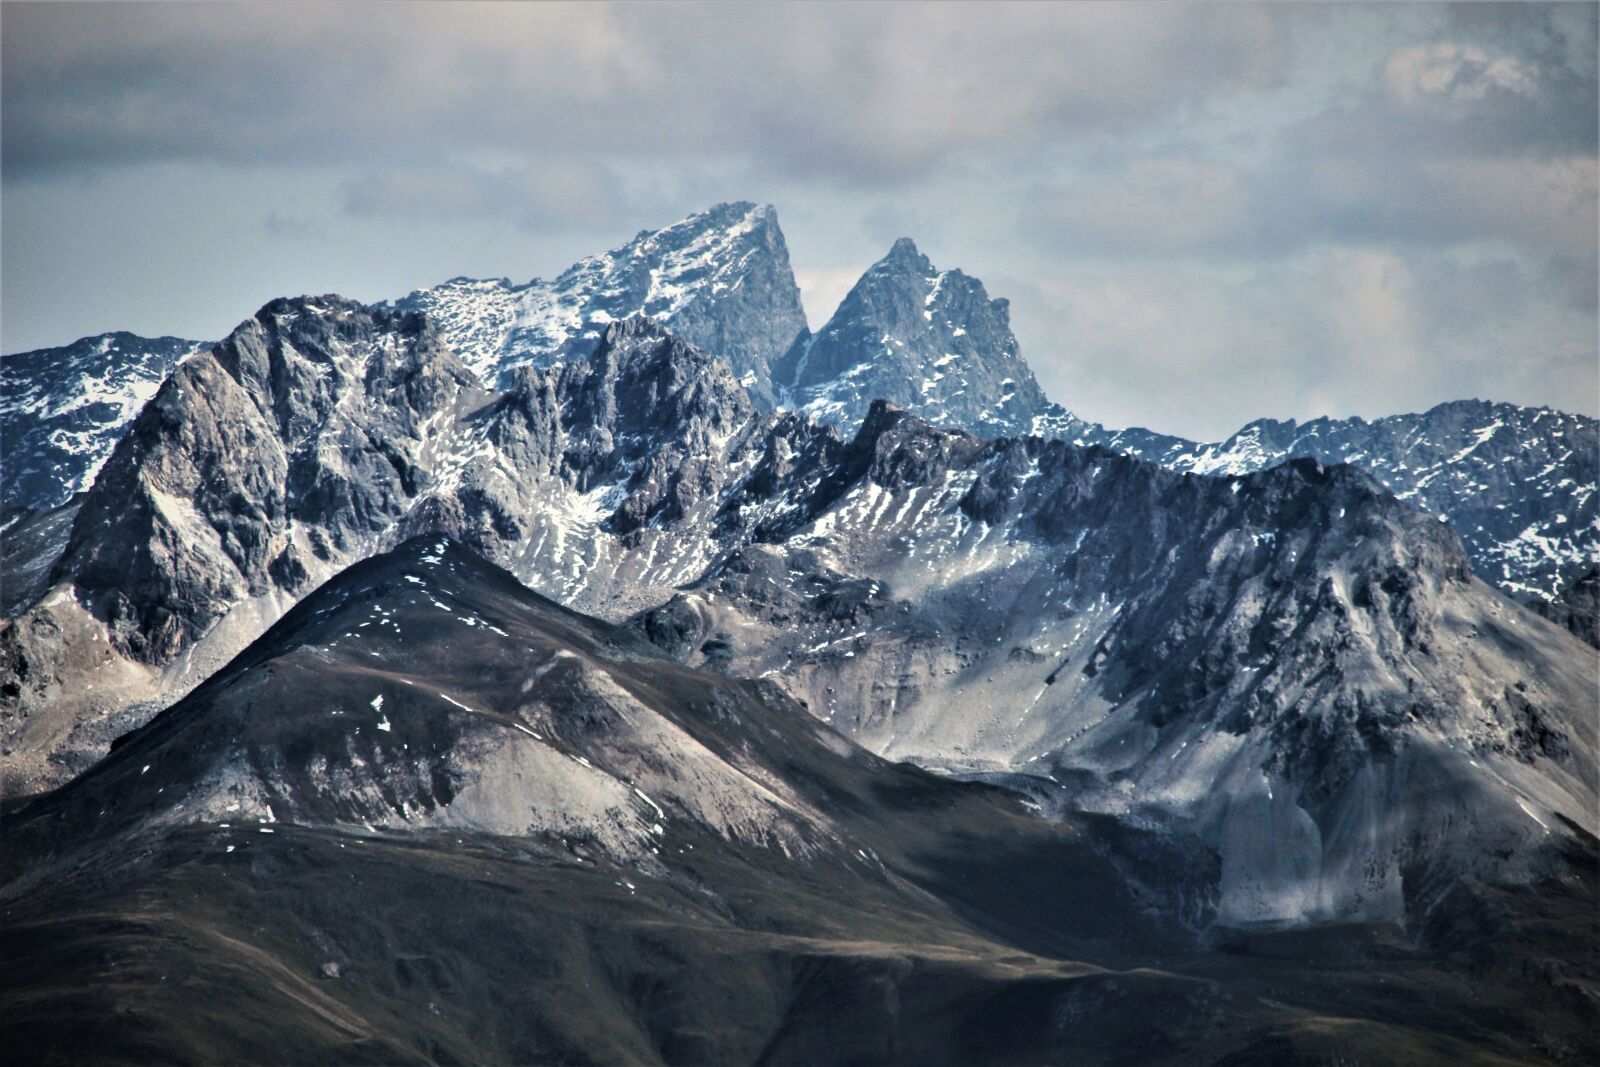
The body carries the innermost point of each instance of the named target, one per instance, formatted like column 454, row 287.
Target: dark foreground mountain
column 431, row 816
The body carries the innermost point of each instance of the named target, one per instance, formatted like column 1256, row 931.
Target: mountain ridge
column 1523, row 497
column 721, row 278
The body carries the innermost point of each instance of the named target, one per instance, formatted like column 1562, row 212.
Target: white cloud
column 1447, row 75
column 1200, row 213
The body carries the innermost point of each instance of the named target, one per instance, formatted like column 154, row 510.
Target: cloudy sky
column 1201, row 214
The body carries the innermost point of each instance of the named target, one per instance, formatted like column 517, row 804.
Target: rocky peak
column 720, row 279
column 291, row 441
column 932, row 341
column 904, row 250
column 660, row 385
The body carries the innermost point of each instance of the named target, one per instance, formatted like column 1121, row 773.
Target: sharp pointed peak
column 905, row 248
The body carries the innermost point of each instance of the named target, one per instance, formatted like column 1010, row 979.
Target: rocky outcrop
column 1576, row 608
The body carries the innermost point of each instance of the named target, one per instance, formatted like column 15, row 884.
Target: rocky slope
column 430, row 816
column 720, row 279
column 63, row 409
column 929, row 340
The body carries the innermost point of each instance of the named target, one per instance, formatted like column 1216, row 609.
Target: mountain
column 258, row 469
column 929, row 340
column 1293, row 652
column 430, row 816
column 1517, row 483
column 322, row 431
column 62, row 410
column 720, row 279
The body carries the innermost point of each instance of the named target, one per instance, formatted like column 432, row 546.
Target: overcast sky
column 1200, row 214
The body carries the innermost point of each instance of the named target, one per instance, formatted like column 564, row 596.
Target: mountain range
column 1517, row 483
column 509, row 593
column 1202, row 653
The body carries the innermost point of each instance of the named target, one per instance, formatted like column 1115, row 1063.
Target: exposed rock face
column 1577, row 607
column 929, row 340
column 322, row 431
column 1517, row 483
column 63, row 409
column 297, row 441
column 720, row 279
column 258, row 469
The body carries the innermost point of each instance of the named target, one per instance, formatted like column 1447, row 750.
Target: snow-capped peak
column 721, row 278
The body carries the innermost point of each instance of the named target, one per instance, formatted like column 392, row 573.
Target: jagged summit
column 720, row 279
column 1519, row 484
column 931, row 340
column 905, row 249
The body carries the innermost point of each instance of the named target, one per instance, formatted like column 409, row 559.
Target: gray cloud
column 855, row 92
column 1448, row 141
column 563, row 193
column 1201, row 214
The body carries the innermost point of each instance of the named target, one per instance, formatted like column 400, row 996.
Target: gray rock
column 928, row 340
column 1577, row 607
column 1517, row 483
column 720, row 279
